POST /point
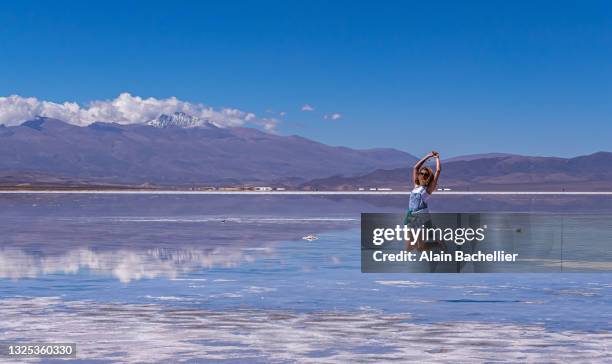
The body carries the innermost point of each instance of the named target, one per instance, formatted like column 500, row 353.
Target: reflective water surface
column 229, row 278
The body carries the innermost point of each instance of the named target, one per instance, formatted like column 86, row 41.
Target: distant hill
column 513, row 173
column 470, row 157
column 173, row 150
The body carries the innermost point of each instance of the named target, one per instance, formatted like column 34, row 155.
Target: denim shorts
column 418, row 219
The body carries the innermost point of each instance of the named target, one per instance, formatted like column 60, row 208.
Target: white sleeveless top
column 418, row 199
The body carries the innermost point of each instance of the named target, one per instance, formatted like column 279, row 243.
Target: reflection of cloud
column 125, row 265
column 155, row 333
column 307, row 107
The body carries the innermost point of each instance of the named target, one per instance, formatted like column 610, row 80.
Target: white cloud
column 333, row 116
column 280, row 113
column 125, row 109
column 307, row 107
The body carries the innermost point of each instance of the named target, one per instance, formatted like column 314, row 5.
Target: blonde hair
column 429, row 178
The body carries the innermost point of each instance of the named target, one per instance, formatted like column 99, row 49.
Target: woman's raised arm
column 434, row 182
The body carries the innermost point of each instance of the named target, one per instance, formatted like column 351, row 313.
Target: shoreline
column 188, row 192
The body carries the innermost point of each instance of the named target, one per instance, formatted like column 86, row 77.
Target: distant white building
column 205, row 188
column 372, row 189
column 280, row 188
column 384, row 189
column 361, row 189
column 230, row 189
column 262, row 188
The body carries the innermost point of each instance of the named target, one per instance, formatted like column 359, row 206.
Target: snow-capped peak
column 179, row 119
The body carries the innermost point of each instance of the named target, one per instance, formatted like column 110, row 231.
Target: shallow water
column 229, row 278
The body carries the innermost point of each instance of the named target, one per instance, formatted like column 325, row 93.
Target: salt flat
column 182, row 192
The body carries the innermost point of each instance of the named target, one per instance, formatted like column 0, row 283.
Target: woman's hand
column 435, row 154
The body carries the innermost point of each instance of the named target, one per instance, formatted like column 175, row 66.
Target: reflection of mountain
column 137, row 237
column 136, row 248
column 151, row 237
column 173, row 150
column 508, row 172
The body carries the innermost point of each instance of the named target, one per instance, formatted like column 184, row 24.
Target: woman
column 425, row 183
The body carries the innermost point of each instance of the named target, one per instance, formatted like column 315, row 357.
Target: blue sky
column 460, row 77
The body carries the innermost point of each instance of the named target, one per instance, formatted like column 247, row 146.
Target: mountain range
column 173, row 150
column 179, row 150
column 493, row 173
